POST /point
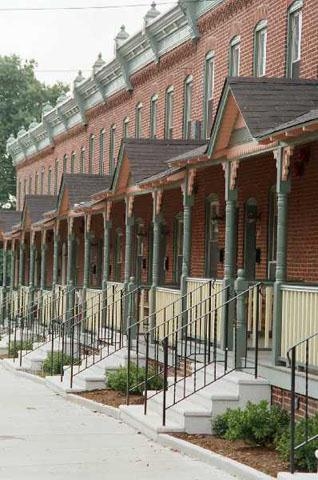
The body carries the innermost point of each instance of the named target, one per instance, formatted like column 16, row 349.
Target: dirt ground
column 112, row 398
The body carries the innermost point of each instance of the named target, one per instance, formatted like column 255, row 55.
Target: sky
column 63, row 42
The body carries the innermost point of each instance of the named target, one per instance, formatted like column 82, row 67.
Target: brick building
column 190, row 156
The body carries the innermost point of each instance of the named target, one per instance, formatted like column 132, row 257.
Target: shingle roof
column 197, row 152
column 160, row 176
column 149, row 157
column 81, row 186
column 39, row 204
column 301, row 120
column 8, row 218
column 266, row 103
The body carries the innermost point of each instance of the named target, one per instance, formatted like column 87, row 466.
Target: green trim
column 295, row 7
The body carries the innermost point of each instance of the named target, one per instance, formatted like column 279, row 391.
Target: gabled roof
column 8, row 218
column 36, row 205
column 80, row 187
column 265, row 103
column 309, row 117
column 149, row 157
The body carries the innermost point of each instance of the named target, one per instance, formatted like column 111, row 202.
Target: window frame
column 101, row 151
column 187, row 106
column 73, row 160
column 294, row 10
column 138, row 120
column 169, row 97
column 261, row 28
column 49, row 180
column 153, row 116
column 212, row 201
column 126, row 127
column 65, row 160
column 82, row 160
column 208, row 92
column 56, row 175
column 235, row 45
column 91, row 150
column 112, row 142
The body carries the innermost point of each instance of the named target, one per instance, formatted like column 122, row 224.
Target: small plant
column 304, row 457
column 257, row 424
column 118, row 380
column 54, row 363
column 15, row 347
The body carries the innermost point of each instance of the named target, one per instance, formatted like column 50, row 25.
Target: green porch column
column 87, row 247
column 70, row 268
column 282, row 156
column 129, row 223
column 187, row 190
column 43, row 259
column 55, row 255
column 230, row 169
column 4, row 279
column 21, row 261
column 13, row 260
column 156, row 223
column 106, row 246
column 31, row 270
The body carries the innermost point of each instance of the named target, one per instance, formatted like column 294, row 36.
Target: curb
column 225, row 464
column 22, row 373
column 93, row 406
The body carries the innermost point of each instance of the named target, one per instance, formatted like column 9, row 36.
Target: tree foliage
column 21, row 98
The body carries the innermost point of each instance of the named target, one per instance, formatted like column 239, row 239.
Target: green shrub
column 257, row 424
column 52, row 365
column 118, row 380
column 304, row 457
column 15, row 347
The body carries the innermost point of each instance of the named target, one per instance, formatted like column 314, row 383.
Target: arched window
column 234, row 57
column 101, row 152
column 138, row 129
column 65, row 163
column 126, row 127
column 49, row 180
column 82, row 160
column 42, row 181
column 56, row 176
column 30, row 184
column 187, row 106
column 294, row 39
column 112, row 142
column 208, row 93
column 153, row 116
column 260, row 40
column 212, row 217
column 73, row 160
column 169, row 112
column 91, row 153
column 36, row 184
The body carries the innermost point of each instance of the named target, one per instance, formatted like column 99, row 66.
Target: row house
column 187, row 161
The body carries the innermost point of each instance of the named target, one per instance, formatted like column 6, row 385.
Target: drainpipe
column 282, row 156
column 128, row 245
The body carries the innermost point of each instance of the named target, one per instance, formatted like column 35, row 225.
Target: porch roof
column 302, row 120
column 150, row 157
column 80, row 187
column 36, row 205
column 8, row 218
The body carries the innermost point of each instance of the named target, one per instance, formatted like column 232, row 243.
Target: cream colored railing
column 60, row 296
column 299, row 320
column 265, row 315
column 168, row 310
column 204, row 299
column 47, row 306
column 114, row 309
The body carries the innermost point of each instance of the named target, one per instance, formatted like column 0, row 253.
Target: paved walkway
column 42, row 436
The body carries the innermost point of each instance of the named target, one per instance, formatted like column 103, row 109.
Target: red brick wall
column 281, row 397
column 217, row 28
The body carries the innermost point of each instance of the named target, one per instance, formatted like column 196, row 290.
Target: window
column 169, row 113
column 101, row 152
column 178, row 248
column 36, row 183
column 19, row 195
column 91, row 153
column 112, row 141
column 30, row 185
column 212, row 236
column 25, row 187
column 208, row 93
column 49, row 179
column 153, row 116
column 188, row 85
column 73, row 160
column 126, row 127
column 42, row 181
column 234, row 60
column 56, row 176
column 272, row 234
column 260, row 39
column 65, row 163
column 82, row 160
column 139, row 121
column 294, row 39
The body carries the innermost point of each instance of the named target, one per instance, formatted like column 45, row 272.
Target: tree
column 21, row 100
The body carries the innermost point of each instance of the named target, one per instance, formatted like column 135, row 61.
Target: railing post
column 131, row 329
column 165, row 380
column 292, row 409
column 240, row 340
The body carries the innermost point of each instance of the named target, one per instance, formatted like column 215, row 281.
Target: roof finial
column 79, row 78
column 121, row 37
column 99, row 63
column 151, row 14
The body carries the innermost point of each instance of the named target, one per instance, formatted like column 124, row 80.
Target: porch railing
column 299, row 320
column 301, row 357
column 263, row 317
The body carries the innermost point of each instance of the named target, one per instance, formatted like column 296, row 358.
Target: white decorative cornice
column 160, row 35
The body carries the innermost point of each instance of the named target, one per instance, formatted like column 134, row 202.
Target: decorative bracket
column 157, row 199
column 70, row 224
column 188, row 9
column 88, row 219
column 62, row 118
column 124, row 71
column 233, row 175
column 48, row 129
column 153, row 44
column 99, row 87
column 191, row 177
column 285, row 167
column 32, row 237
column 79, row 102
column 35, row 143
column 130, row 205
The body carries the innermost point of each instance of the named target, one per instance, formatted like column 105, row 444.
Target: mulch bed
column 264, row 459
column 111, row 397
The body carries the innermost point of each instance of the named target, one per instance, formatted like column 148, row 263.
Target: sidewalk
column 42, row 436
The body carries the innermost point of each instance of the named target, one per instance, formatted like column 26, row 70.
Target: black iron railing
column 301, row 357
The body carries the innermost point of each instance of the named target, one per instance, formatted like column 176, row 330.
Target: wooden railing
column 299, row 320
column 265, row 315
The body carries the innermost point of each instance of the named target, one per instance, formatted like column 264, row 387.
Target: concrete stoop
column 94, row 377
column 193, row 414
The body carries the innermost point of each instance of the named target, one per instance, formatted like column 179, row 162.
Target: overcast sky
column 62, row 42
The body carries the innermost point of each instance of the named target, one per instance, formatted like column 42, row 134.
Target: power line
column 88, row 7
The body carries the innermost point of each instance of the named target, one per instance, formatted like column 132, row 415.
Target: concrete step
column 54, row 382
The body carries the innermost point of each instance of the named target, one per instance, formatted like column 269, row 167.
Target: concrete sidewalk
column 42, row 436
